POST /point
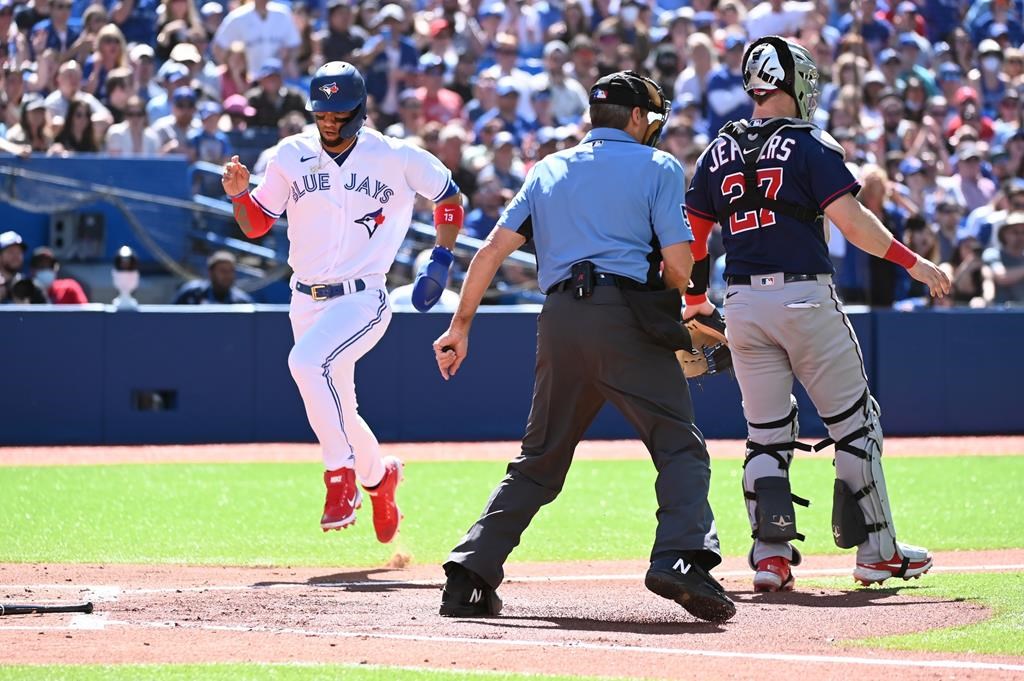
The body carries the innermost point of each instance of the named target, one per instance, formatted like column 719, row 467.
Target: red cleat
column 909, row 562
column 386, row 514
column 343, row 498
column 773, row 574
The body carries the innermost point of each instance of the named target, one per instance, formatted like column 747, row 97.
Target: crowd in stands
column 924, row 95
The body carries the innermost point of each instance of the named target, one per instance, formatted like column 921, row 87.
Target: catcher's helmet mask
column 774, row 63
column 628, row 88
column 338, row 87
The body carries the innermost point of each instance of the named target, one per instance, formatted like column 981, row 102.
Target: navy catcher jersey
column 797, row 165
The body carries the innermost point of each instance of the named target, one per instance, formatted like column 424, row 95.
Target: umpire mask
column 628, row 88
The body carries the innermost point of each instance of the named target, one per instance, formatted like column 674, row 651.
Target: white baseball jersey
column 263, row 37
column 348, row 222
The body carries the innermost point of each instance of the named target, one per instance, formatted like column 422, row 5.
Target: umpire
column 604, row 215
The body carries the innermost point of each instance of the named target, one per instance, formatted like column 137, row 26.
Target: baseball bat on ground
column 36, row 608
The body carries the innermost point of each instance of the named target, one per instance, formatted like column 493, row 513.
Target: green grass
column 261, row 514
column 255, row 672
column 1002, row 634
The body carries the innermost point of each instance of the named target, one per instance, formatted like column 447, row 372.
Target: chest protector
column 751, row 138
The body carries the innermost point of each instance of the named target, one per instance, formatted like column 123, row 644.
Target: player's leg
column 565, row 401
column 322, row 364
column 765, row 378
column 646, row 384
column 827, row 360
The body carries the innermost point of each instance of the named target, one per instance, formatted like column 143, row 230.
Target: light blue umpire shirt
column 603, row 200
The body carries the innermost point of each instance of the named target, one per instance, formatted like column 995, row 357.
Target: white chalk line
column 580, row 645
column 111, row 593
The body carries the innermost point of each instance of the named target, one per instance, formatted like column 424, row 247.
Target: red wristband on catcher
column 693, row 301
column 449, row 214
column 901, row 255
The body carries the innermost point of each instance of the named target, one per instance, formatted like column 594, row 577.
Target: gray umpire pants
column 589, row 351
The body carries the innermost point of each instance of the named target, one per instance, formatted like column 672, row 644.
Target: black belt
column 600, row 279
column 326, row 291
column 744, row 280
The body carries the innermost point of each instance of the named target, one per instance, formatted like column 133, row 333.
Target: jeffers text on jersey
column 797, row 164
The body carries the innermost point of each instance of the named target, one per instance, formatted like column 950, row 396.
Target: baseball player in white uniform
column 349, row 194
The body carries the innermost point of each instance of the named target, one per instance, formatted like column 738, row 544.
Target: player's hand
column 706, row 308
column 450, row 350
column 927, row 273
column 235, row 178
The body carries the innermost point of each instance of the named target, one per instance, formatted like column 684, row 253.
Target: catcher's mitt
column 710, row 348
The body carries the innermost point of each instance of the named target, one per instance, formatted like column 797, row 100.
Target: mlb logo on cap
column 767, row 281
column 600, row 94
column 329, row 89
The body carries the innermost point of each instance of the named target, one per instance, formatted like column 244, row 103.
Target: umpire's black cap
column 628, row 88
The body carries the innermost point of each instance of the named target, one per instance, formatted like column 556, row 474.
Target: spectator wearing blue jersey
column 989, row 80
column 388, row 61
column 137, row 19
column 875, row 30
column 489, row 199
column 59, row 35
column 506, row 111
column 983, row 15
column 943, row 17
column 218, row 289
column 208, row 143
column 727, row 100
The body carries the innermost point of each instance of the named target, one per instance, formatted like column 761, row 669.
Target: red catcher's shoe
column 773, row 574
column 386, row 514
column 343, row 498
column 909, row 562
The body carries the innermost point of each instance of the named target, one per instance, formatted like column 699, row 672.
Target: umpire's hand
column 450, row 350
column 235, row 178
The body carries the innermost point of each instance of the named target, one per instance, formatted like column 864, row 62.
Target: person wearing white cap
column 142, row 60
column 12, row 259
column 568, row 97
column 267, row 30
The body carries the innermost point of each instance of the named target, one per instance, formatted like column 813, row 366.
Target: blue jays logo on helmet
column 372, row 221
column 338, row 87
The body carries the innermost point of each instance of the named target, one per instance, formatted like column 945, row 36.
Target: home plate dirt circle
column 587, row 618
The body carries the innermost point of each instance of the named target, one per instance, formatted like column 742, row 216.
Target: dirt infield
column 588, row 618
column 585, row 618
column 458, row 451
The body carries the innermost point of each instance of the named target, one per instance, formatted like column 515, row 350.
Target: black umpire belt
column 600, row 279
column 327, row 291
column 744, row 280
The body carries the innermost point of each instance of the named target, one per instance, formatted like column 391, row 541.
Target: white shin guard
column 857, row 435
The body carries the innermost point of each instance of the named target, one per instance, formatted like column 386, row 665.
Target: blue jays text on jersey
column 797, row 164
column 322, row 182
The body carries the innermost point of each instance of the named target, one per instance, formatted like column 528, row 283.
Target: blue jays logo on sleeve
column 329, row 89
column 372, row 221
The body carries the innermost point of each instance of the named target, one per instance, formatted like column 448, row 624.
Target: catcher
column 769, row 182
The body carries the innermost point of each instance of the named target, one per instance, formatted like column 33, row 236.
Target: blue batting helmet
column 338, row 86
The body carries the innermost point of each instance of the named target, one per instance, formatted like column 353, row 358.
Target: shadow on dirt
column 372, row 580
column 852, row 598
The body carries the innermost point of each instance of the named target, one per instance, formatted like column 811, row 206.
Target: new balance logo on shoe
column 476, row 596
column 681, row 566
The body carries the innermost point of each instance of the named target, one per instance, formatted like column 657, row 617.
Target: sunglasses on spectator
column 81, row 114
column 134, row 114
column 61, row 5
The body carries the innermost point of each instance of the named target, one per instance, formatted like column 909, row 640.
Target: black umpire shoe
column 688, row 584
column 466, row 594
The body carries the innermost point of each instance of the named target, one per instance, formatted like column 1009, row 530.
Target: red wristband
column 449, row 214
column 901, row 255
column 693, row 301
